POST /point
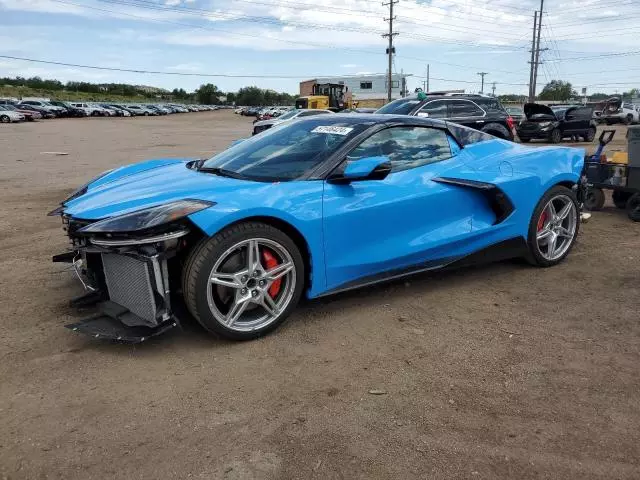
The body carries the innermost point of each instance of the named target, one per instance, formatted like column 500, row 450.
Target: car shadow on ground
column 190, row 335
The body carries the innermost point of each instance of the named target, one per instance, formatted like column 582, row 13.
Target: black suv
column 474, row 111
column 557, row 122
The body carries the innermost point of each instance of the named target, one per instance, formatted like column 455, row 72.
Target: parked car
column 359, row 110
column 615, row 111
column 69, row 110
column 118, row 111
column 287, row 117
column 46, row 113
column 90, row 109
column 479, row 112
column 9, row 116
column 159, row 110
column 141, row 110
column 56, row 111
column 557, row 123
column 302, row 210
column 29, row 115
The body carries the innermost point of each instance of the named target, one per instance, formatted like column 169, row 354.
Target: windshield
column 402, row 106
column 288, row 115
column 285, row 152
column 515, row 110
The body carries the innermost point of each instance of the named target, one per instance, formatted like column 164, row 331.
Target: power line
column 160, row 72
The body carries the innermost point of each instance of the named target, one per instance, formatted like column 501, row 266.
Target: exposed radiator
column 129, row 284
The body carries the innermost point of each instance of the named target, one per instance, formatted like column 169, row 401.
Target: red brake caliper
column 543, row 219
column 271, row 262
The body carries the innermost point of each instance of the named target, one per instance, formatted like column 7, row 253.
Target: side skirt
column 507, row 249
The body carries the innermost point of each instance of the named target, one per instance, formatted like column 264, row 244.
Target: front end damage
column 126, row 277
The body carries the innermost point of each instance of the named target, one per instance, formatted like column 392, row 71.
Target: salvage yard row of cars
column 29, row 110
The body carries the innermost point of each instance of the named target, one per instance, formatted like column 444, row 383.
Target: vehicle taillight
column 510, row 122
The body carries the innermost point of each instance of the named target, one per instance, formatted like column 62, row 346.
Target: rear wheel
column 594, row 199
column 244, row 282
column 553, row 227
column 620, row 199
column 628, row 119
column 633, row 207
column 556, row 136
column 591, row 134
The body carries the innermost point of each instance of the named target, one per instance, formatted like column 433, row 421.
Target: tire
column 556, row 136
column 496, row 130
column 146, row 114
column 205, row 300
column 633, row 207
column 5, row 119
column 594, row 199
column 620, row 199
column 95, row 113
column 525, row 140
column 538, row 254
column 628, row 119
column 591, row 134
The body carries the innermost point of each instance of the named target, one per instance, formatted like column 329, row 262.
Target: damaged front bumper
column 127, row 279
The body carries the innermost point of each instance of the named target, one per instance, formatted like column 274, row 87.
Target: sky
column 590, row 43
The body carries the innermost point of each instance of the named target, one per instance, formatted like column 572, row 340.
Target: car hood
column 537, row 109
column 612, row 104
column 165, row 180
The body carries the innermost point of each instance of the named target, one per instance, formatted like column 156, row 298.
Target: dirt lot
column 503, row 371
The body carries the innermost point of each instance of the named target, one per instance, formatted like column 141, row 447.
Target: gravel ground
column 503, row 371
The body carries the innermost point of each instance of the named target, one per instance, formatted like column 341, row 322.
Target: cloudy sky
column 590, row 43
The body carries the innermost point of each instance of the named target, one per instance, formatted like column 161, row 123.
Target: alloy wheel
column 251, row 284
column 556, row 227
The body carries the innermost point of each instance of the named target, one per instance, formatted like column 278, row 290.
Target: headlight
column 77, row 193
column 148, row 217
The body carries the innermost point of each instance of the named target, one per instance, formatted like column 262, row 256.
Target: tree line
column 560, row 90
column 207, row 94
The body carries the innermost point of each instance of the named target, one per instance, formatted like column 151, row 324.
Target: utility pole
column 533, row 57
column 427, row 79
column 390, row 49
column 537, row 60
column 482, row 74
column 493, row 89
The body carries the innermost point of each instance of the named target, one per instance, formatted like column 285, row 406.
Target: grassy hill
column 64, row 95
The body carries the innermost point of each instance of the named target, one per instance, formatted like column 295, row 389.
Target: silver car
column 263, row 125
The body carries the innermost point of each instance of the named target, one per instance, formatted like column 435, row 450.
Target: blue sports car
column 311, row 208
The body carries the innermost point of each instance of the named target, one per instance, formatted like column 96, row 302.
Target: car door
column 467, row 113
column 407, row 221
column 571, row 123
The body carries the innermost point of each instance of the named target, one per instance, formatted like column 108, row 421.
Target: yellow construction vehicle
column 327, row 96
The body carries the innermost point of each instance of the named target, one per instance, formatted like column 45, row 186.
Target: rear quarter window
column 467, row 136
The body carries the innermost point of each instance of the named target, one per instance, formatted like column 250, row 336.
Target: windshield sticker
column 333, row 130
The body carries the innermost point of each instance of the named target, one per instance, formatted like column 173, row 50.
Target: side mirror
column 368, row 168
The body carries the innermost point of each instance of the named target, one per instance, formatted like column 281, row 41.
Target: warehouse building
column 367, row 90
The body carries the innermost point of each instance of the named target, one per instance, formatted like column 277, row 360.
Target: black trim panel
column 499, row 202
column 511, row 248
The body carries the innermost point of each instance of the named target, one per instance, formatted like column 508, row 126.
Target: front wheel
column 553, row 227
column 591, row 134
column 633, row 207
column 556, row 136
column 5, row 119
column 628, row 120
column 243, row 282
column 594, row 199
